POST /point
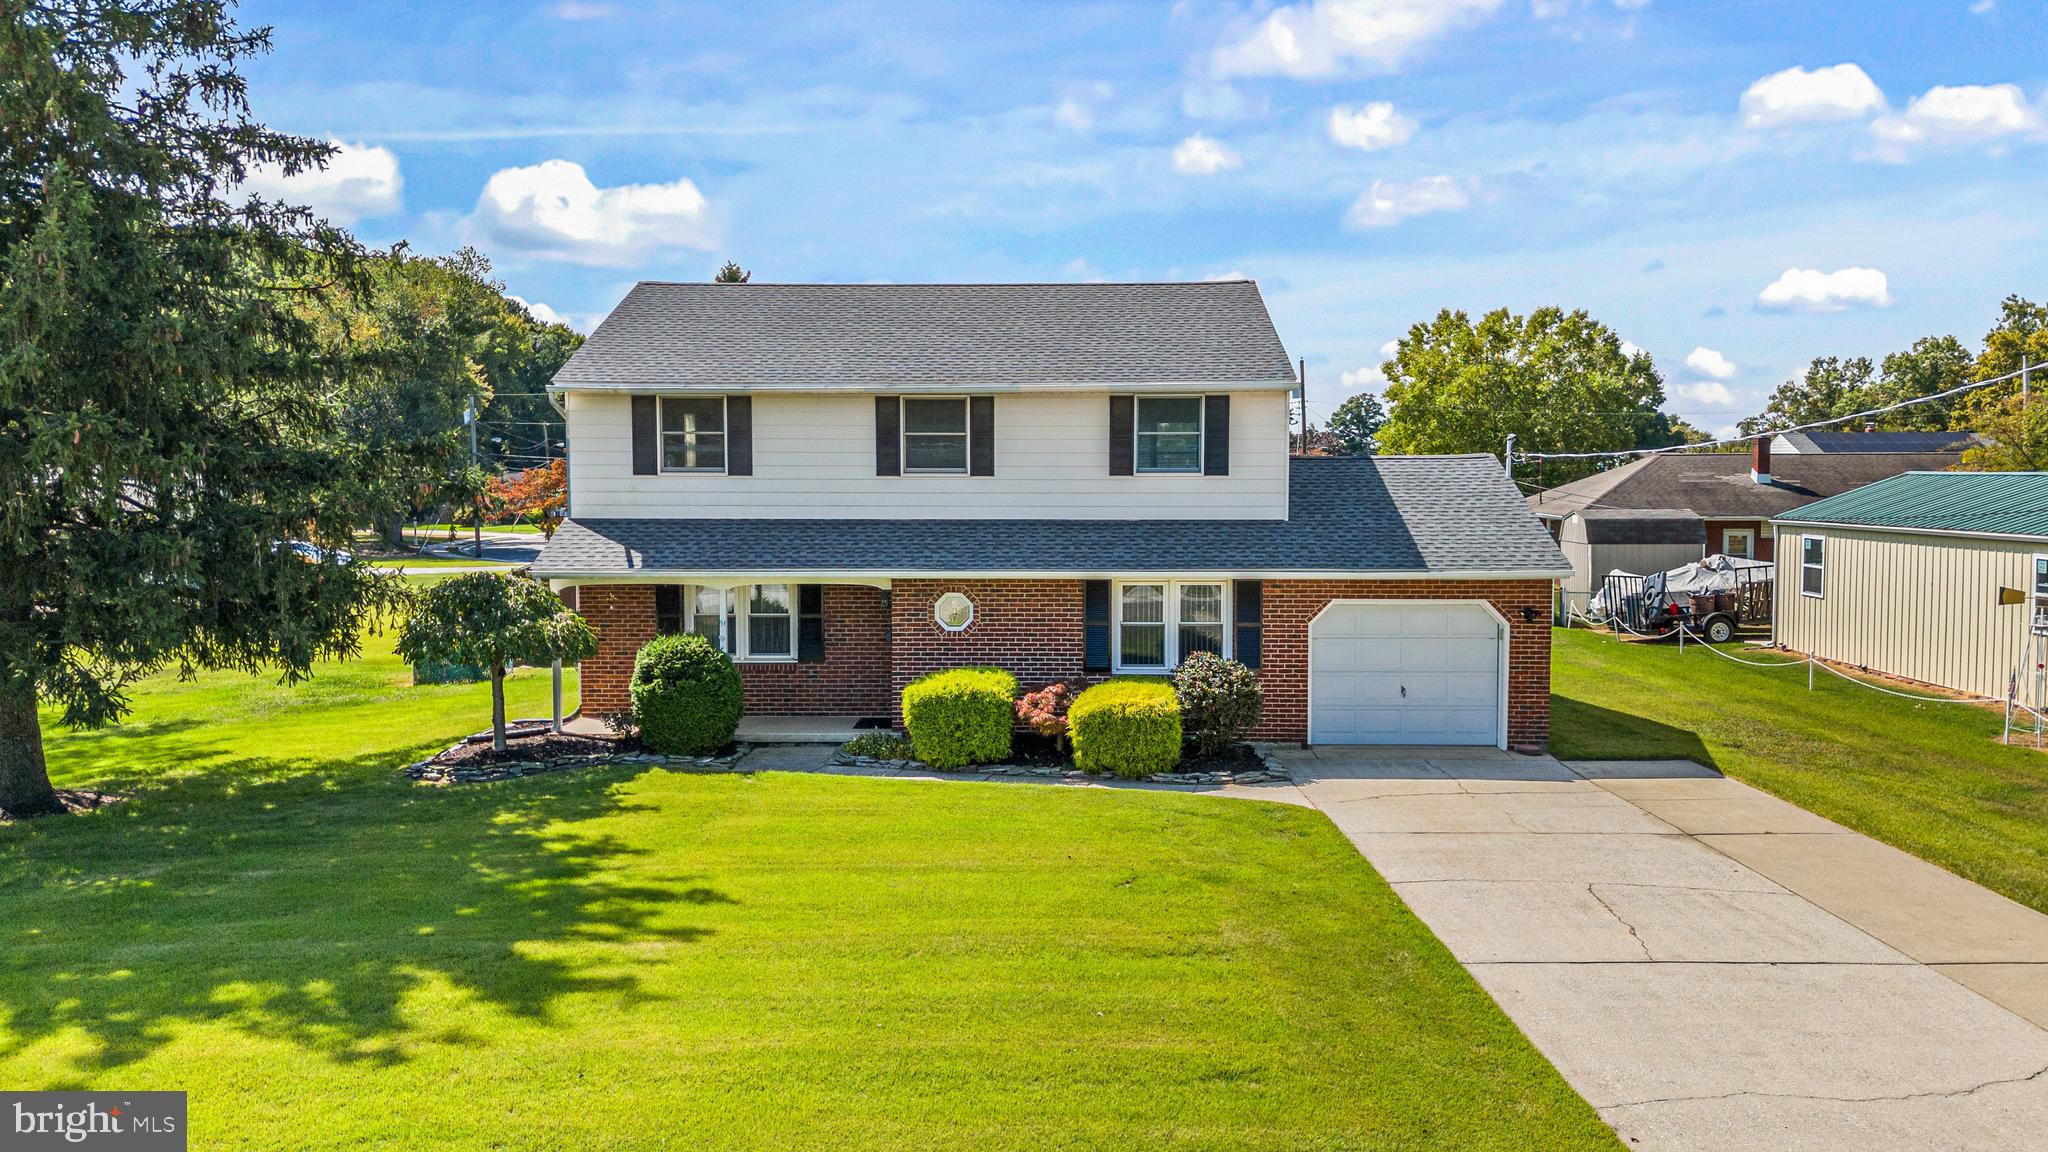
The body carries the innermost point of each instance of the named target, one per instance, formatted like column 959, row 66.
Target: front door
column 1742, row 543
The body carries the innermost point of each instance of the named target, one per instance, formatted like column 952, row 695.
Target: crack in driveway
column 1933, row 1095
column 1594, row 892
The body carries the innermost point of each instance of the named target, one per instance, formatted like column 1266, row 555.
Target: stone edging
column 1272, row 773
column 428, row 772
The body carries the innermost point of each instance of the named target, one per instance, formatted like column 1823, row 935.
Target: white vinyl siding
column 1922, row 607
column 814, row 456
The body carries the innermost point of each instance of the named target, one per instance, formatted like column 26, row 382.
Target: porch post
column 556, row 727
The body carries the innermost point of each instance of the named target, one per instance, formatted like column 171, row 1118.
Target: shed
column 1940, row 577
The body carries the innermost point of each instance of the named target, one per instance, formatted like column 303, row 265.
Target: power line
column 2019, row 374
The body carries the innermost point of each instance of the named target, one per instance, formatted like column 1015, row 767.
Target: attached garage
column 1408, row 672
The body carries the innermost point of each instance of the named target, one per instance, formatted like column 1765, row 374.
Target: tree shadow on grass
column 1582, row 731
column 310, row 904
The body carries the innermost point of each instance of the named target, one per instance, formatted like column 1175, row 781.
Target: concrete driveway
column 1711, row 967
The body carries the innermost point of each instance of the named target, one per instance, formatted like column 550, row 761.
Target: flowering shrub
column 1220, row 699
column 1045, row 711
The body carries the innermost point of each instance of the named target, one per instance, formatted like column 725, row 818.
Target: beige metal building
column 1940, row 577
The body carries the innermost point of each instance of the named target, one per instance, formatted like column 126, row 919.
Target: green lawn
column 1929, row 778
column 326, row 957
column 437, row 562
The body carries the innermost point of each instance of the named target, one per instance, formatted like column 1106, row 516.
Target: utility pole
column 469, row 418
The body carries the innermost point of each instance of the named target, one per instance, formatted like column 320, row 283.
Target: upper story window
column 1812, row 565
column 1169, row 432
column 935, row 434
column 693, row 434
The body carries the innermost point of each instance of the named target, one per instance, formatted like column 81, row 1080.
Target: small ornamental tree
column 1220, row 699
column 1045, row 711
column 492, row 621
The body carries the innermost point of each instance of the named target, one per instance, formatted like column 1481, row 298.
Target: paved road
column 1711, row 967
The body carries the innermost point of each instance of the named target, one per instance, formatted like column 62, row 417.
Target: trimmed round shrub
column 1220, row 699
column 960, row 716
column 1128, row 725
column 687, row 697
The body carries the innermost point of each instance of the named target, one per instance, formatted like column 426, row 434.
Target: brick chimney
column 1760, row 459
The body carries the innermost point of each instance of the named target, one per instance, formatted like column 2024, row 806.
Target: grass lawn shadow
column 200, row 902
column 1583, row 731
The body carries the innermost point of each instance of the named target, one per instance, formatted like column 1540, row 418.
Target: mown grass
column 323, row 956
column 1931, row 779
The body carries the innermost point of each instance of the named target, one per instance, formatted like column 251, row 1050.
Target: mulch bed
column 530, row 749
column 1035, row 755
column 73, row 800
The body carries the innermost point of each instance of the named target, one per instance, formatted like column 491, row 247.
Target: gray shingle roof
column 879, row 336
column 1386, row 514
column 1717, row 484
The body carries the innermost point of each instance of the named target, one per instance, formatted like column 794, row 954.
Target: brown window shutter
column 1215, row 435
column 981, row 435
column 1095, row 625
column 888, row 436
column 668, row 608
column 646, row 442
column 810, row 623
column 1122, row 431
column 739, row 436
column 1251, row 608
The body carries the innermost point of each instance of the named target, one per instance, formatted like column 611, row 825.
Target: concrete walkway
column 1711, row 967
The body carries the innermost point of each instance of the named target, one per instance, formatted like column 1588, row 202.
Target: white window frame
column 1819, row 567
column 734, row 615
column 965, row 435
column 2037, row 606
column 1171, row 623
column 1749, row 540
column 661, row 435
column 1201, row 440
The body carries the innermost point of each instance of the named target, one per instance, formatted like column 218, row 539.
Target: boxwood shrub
column 1129, row 725
column 960, row 716
column 1220, row 701
column 687, row 697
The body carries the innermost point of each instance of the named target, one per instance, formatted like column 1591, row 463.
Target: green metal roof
column 1982, row 503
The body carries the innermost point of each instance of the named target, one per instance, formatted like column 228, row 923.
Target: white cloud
column 1212, row 102
column 1233, row 274
column 1811, row 290
column 1369, row 375
column 1076, row 110
column 1323, row 37
column 1948, row 117
column 1200, row 156
column 1708, row 362
column 1372, row 127
column 1797, row 96
column 552, row 211
column 583, row 10
column 1388, row 202
column 1712, row 393
column 1631, row 5
column 540, row 311
column 1631, row 349
column 1983, row 7
column 358, row 182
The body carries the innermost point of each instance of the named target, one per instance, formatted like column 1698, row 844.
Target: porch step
column 803, row 729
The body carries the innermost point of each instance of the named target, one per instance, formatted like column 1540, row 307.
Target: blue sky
column 1735, row 187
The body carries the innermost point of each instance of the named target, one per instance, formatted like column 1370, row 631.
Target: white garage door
column 1404, row 673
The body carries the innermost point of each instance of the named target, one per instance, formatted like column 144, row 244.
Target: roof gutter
column 565, row 577
column 2023, row 537
column 1276, row 385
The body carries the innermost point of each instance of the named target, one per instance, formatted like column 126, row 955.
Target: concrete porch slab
column 798, row 729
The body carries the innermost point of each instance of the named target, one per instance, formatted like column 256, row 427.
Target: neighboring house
column 1940, row 577
column 1662, row 511
column 1810, row 443
column 847, row 486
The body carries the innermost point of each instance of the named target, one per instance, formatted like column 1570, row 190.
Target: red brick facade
column 1291, row 604
column 1717, row 536
column 852, row 680
column 877, row 642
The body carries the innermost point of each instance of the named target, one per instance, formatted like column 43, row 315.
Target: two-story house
column 847, row 486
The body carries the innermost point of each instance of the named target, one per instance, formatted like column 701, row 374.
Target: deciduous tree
column 1558, row 381
column 492, row 621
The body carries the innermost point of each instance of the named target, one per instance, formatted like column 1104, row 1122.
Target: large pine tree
column 167, row 410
